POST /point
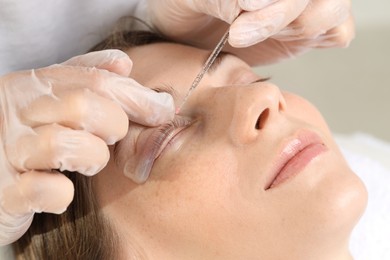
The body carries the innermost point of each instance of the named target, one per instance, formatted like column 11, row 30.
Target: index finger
column 255, row 26
column 112, row 60
column 142, row 105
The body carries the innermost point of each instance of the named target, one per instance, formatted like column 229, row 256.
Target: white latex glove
column 274, row 29
column 63, row 117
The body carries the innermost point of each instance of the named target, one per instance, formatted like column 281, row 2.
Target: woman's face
column 245, row 171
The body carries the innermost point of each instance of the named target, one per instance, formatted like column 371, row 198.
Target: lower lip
column 298, row 163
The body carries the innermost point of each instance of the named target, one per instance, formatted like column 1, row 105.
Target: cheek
column 193, row 172
column 303, row 110
column 192, row 192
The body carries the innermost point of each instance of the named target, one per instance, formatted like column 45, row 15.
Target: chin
column 343, row 197
column 333, row 200
column 350, row 194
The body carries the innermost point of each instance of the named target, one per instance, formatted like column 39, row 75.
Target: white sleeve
column 141, row 11
column 6, row 253
column 39, row 33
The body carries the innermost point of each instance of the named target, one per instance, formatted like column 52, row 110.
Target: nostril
column 261, row 120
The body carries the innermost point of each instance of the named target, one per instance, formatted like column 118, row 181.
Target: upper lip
column 289, row 149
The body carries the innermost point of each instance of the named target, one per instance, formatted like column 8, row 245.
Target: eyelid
column 243, row 76
column 166, row 132
column 261, row 80
column 151, row 146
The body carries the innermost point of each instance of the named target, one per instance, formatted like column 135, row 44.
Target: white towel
column 369, row 157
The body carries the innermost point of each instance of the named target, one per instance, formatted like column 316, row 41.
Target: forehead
column 166, row 54
column 164, row 62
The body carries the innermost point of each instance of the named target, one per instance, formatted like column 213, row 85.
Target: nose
column 246, row 111
column 256, row 109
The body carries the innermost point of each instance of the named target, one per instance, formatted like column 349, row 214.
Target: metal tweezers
column 210, row 60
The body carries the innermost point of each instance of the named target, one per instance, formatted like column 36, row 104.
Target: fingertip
column 116, row 61
column 162, row 109
column 240, row 39
column 121, row 128
column 346, row 33
column 338, row 37
column 247, row 30
column 141, row 104
column 40, row 192
column 59, row 198
column 238, row 42
column 113, row 60
column 88, row 156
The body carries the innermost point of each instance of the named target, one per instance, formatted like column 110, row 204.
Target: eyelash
column 167, row 129
column 262, row 80
column 164, row 134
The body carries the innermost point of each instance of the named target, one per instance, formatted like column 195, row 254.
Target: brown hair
column 125, row 37
column 81, row 232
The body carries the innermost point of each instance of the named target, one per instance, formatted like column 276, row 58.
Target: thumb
column 115, row 61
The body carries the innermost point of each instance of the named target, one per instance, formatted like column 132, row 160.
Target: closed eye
column 165, row 133
column 158, row 139
column 261, row 80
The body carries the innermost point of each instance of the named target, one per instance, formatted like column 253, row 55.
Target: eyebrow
column 168, row 88
column 218, row 61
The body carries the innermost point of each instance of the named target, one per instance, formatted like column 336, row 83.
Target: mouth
column 295, row 155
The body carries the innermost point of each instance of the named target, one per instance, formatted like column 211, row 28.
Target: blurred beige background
column 351, row 87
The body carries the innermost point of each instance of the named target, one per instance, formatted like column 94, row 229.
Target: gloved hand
column 63, row 117
column 275, row 29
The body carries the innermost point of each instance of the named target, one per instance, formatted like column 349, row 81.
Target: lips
column 295, row 155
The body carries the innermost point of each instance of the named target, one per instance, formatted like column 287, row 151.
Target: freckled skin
column 205, row 197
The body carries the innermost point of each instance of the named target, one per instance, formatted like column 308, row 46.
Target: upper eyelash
column 262, row 80
column 165, row 130
column 158, row 139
